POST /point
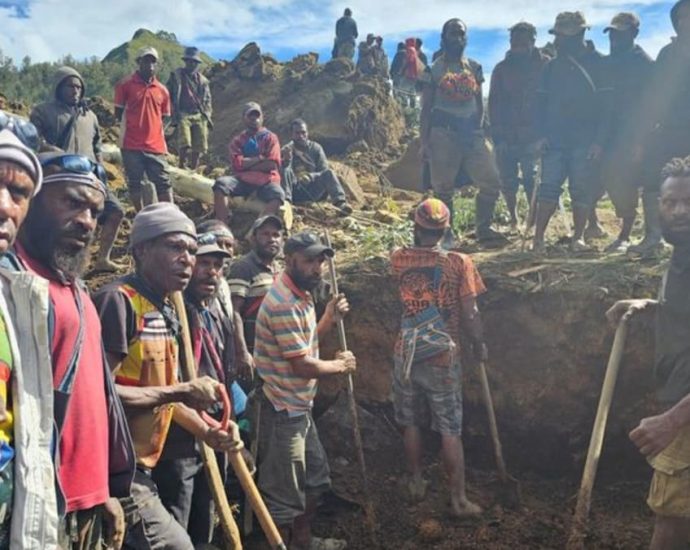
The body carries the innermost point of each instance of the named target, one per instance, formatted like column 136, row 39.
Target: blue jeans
column 559, row 164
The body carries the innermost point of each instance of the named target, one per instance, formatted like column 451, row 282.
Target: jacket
column 201, row 90
column 24, row 304
column 512, row 98
column 346, row 29
column 74, row 129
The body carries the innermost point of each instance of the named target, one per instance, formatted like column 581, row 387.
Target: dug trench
column 549, row 343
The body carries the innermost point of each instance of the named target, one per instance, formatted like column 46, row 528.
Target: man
column 665, row 438
column 306, row 175
column 190, row 96
column 54, row 244
column 287, row 360
column 381, row 59
column 630, row 70
column 345, row 36
column 665, row 122
column 406, row 70
column 255, row 160
column 432, row 377
column 420, row 52
column 67, row 124
column 452, row 134
column 140, row 335
column 366, row 56
column 28, row 505
column 512, row 106
column 180, row 475
column 573, row 126
column 250, row 278
column 143, row 102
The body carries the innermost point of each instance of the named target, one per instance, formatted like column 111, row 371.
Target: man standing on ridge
column 345, row 36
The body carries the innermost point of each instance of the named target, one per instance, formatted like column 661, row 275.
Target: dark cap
column 263, row 220
column 624, row 21
column 192, row 54
column 208, row 244
column 569, row 23
column 524, row 26
column 310, row 244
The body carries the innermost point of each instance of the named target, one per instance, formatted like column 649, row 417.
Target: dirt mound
column 340, row 107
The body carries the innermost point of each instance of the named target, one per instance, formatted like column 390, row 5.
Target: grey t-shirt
column 456, row 85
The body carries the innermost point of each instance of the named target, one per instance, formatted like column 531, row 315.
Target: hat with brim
column 147, row 51
column 212, row 248
column 309, row 244
column 569, row 23
column 192, row 54
column 624, row 22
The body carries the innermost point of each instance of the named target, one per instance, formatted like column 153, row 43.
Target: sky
column 46, row 30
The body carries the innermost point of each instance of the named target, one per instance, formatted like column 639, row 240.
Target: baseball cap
column 147, row 50
column 309, row 243
column 569, row 23
column 208, row 244
column 251, row 106
column 432, row 214
column 261, row 221
column 624, row 21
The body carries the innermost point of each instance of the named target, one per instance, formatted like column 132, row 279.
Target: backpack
column 424, row 335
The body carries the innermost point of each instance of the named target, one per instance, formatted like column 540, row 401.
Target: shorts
column 230, row 186
column 474, row 155
column 431, row 391
column 559, row 164
column 192, row 132
column 152, row 165
column 620, row 177
column 669, row 492
column 292, row 462
column 111, row 207
column 149, row 524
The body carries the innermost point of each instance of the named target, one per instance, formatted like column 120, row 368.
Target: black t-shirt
column 672, row 361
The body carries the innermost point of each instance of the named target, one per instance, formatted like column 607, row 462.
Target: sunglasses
column 23, row 129
column 206, row 238
column 78, row 164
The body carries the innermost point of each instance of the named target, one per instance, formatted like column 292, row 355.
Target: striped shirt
column 286, row 329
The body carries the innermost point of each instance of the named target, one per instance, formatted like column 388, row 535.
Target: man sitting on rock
column 255, row 158
column 306, row 175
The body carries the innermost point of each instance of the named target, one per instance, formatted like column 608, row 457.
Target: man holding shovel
column 665, row 439
column 438, row 290
column 293, row 467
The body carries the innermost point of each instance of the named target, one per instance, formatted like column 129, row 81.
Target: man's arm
column 309, row 367
column 321, row 161
column 495, row 101
column 215, row 438
column 336, row 309
column 471, row 322
column 244, row 359
column 655, row 433
column 425, row 118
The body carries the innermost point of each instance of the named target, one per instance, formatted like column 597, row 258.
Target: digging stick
column 584, row 497
column 510, row 483
column 237, row 462
column 357, row 436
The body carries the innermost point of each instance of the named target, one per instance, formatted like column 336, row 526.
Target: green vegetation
column 32, row 82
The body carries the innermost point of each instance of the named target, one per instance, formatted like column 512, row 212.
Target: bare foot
column 464, row 508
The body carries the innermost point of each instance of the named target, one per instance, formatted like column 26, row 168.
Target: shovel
column 510, row 487
column 584, row 496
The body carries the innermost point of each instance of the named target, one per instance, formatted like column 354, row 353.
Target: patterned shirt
column 286, row 329
column 6, row 426
column 135, row 329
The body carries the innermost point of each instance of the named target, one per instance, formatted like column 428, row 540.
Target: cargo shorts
column 669, row 492
column 138, row 164
column 192, row 132
column 431, row 396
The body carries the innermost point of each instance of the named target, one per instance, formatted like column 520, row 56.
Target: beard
column 676, row 237
column 305, row 282
column 454, row 48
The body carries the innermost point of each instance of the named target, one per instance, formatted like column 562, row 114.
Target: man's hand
column 595, row 152
column 624, row 309
column 245, row 366
column 348, row 359
column 200, row 393
column 220, row 440
column 337, row 309
column 654, row 434
column 114, row 519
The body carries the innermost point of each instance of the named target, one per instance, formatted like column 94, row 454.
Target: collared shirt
column 145, row 104
column 286, row 329
column 252, row 144
column 135, row 330
column 84, row 469
column 672, row 356
column 250, row 278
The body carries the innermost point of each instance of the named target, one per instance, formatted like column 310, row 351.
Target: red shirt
column 145, row 105
column 83, row 472
column 266, row 145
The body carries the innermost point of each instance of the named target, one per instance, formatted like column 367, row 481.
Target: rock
column 406, row 172
column 360, row 146
column 349, row 181
column 384, row 216
column 430, row 530
column 249, row 64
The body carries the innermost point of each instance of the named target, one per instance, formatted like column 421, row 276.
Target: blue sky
column 49, row 29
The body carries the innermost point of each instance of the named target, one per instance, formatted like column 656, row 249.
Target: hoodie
column 72, row 128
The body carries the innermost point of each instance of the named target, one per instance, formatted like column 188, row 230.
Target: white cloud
column 85, row 28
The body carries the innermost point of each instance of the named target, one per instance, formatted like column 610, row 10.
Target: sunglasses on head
column 206, row 238
column 79, row 164
column 23, row 129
